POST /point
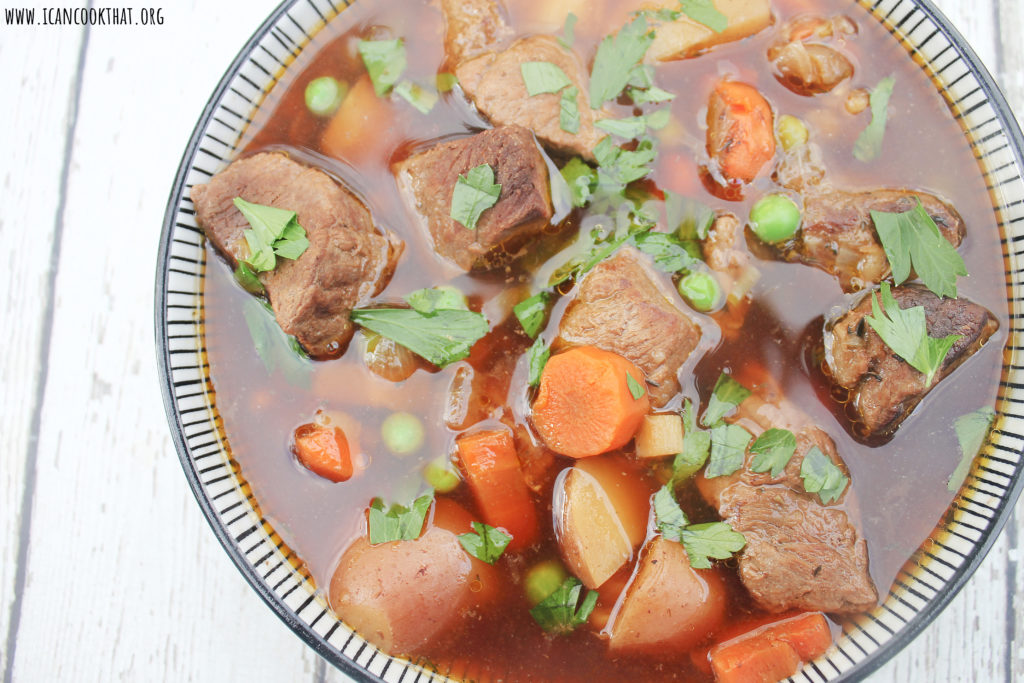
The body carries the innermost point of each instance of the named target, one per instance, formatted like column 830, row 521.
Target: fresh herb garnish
column 869, row 143
column 433, row 299
column 558, row 613
column 636, row 389
column 912, row 240
column 384, row 61
column 713, row 540
column 538, row 357
column 634, row 126
column 568, row 36
column 420, row 97
column 616, row 56
column 704, row 12
column 485, row 542
column 696, row 446
column 247, row 279
column 446, row 81
column 669, row 253
column 275, row 348
column 398, row 522
column 971, row 430
column 569, row 110
column 728, row 450
column 652, row 95
column 274, row 232
column 619, row 167
column 543, row 77
column 725, row 397
column 822, row 476
column 772, row 451
column 581, row 180
column 905, row 331
column 442, row 336
column 474, row 193
column 531, row 313
column 668, row 516
column 688, row 218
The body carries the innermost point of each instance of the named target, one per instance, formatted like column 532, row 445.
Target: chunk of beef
column 427, row 180
column 838, row 234
column 800, row 554
column 620, row 308
column 803, row 61
column 348, row 259
column 883, row 387
column 473, row 26
column 494, row 82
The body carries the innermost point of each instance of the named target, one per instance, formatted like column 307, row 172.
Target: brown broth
column 900, row 487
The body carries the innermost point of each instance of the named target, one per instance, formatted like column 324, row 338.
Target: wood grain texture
column 121, row 567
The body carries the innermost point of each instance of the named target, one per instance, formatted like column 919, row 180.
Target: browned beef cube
column 494, row 83
column 523, row 209
column 472, row 26
column 348, row 259
column 883, row 387
column 619, row 307
column 838, row 234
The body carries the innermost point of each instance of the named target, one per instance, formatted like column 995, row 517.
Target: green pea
column 441, row 476
column 543, row 579
column 402, row 432
column 701, row 290
column 324, row 95
column 792, row 132
column 775, row 218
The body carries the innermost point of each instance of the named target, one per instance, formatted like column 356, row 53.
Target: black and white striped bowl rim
column 946, row 560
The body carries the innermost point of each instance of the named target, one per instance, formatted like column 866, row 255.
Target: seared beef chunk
column 348, row 259
column 800, row 554
column 883, row 387
column 472, row 26
column 838, row 234
column 494, row 82
column 427, row 181
column 620, row 308
column 802, row 60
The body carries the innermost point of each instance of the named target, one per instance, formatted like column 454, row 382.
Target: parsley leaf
column 912, row 240
column 485, row 542
column 423, row 99
column 442, row 337
column 822, row 476
column 275, row 348
column 688, row 218
column 616, row 56
column 668, row 516
column 619, row 167
column 433, row 299
column 569, row 110
column 869, row 143
column 652, row 95
column 670, row 255
column 474, row 193
column 728, row 449
column 543, row 77
column 247, row 279
column 558, row 612
column 274, row 232
column 704, row 12
column 531, row 313
column 384, row 61
column 539, row 354
column 636, row 389
column 398, row 523
column 725, row 397
column 905, row 331
column 581, row 180
column 971, row 430
column 696, row 446
column 713, row 540
column 628, row 128
column 568, row 36
column 772, row 451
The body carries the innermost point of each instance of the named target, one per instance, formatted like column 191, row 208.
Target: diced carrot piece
column 741, row 131
column 489, row 461
column 701, row 656
column 585, row 405
column 772, row 651
column 324, row 450
column 809, row 634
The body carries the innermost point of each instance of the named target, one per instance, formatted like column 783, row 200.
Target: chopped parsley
column 725, row 397
column 713, row 540
column 669, row 253
column 276, row 349
column 634, row 126
column 619, row 167
column 561, row 612
column 688, row 218
column 398, row 523
column 696, row 446
column 705, row 13
column 543, row 77
column 538, row 357
column 652, row 95
column 616, row 56
column 568, row 36
column 636, row 389
column 912, row 240
column 772, row 451
column 385, row 61
column 569, row 110
column 273, row 232
column 581, row 180
column 905, row 331
column 420, row 97
column 822, row 476
column 728, row 449
column 247, row 279
column 485, row 542
column 668, row 516
column 971, row 430
column 433, row 299
column 473, row 194
column 532, row 312
column 869, row 143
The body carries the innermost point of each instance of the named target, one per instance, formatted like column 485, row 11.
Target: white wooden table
column 107, row 569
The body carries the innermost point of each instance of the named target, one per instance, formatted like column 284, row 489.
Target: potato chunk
column 659, row 435
column 685, row 37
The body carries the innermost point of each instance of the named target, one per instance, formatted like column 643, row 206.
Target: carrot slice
column 324, row 450
column 586, row 404
column 771, row 652
column 741, row 131
column 489, row 461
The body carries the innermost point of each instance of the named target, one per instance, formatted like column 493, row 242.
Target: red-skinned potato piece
column 667, row 604
column 741, row 131
column 484, row 580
